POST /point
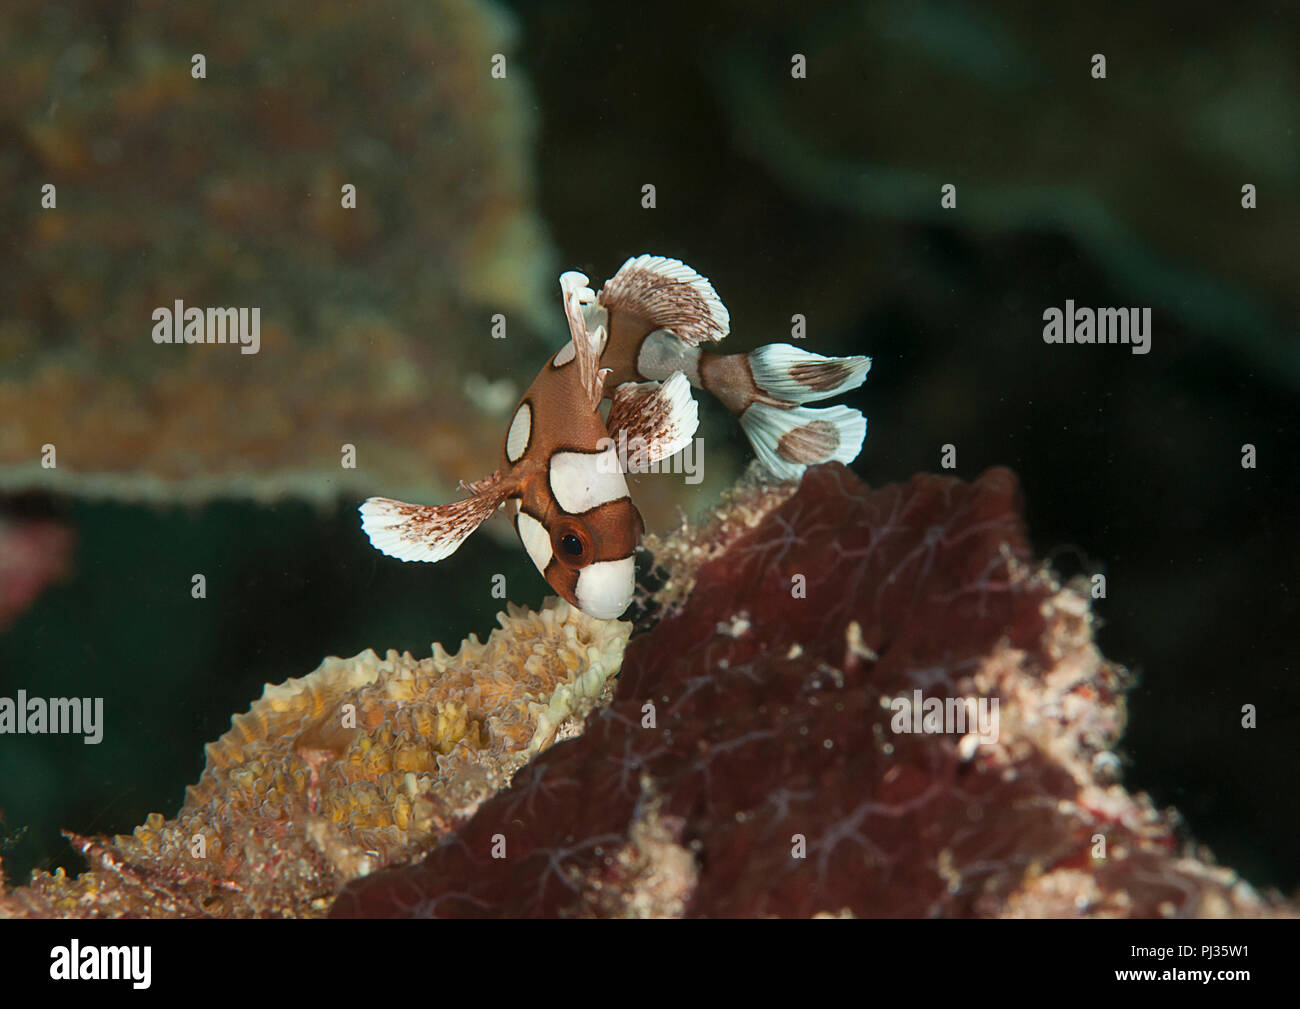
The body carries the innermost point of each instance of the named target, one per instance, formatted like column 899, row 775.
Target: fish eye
column 572, row 545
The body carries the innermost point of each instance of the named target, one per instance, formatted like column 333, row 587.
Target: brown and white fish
column 640, row 344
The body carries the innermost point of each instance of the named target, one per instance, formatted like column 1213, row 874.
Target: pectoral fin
column 412, row 532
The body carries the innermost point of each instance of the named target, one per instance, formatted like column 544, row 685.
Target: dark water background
column 821, row 197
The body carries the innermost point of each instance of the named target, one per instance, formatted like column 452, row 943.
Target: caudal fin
column 800, row 376
column 789, row 440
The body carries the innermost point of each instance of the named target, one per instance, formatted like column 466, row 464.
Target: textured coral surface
column 227, row 191
column 746, row 761
column 362, row 762
column 771, row 781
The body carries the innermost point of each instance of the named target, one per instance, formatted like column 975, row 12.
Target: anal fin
column 650, row 421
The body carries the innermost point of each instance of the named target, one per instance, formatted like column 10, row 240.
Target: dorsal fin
column 669, row 295
column 588, row 344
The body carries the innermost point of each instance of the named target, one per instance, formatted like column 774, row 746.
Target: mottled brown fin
column 588, row 344
column 669, row 295
column 649, row 421
column 799, row 376
column 412, row 532
column 487, row 485
column 789, row 440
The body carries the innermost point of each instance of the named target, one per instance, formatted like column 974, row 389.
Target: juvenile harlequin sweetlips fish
column 639, row 343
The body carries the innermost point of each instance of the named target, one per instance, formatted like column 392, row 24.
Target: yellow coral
column 362, row 762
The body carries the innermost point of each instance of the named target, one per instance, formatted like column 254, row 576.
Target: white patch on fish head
column 582, row 480
column 605, row 588
column 536, row 540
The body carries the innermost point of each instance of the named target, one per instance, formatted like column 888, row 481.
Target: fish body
column 571, row 507
column 641, row 343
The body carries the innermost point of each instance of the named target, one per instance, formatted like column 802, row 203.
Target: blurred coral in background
column 33, row 555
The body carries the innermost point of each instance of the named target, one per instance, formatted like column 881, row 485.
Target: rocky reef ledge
column 780, row 740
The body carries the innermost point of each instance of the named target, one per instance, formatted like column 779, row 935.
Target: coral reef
column 680, row 554
column 226, row 190
column 901, row 99
column 748, row 760
column 748, row 763
column 363, row 762
column 33, row 554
